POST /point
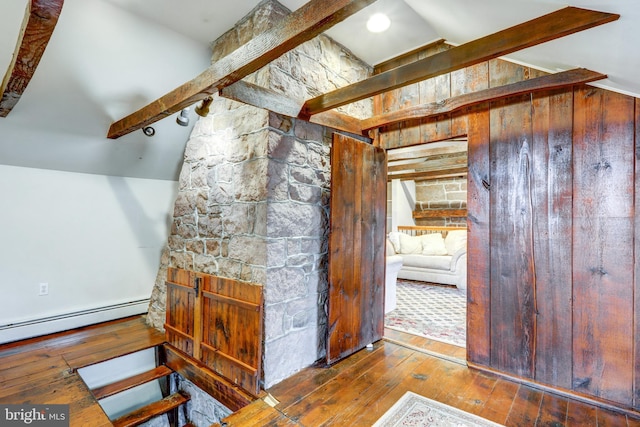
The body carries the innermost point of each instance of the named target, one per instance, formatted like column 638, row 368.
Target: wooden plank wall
column 552, row 219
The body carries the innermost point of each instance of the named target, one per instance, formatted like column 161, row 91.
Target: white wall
column 403, row 202
column 96, row 240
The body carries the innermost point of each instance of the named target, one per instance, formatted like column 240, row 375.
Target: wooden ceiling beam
column 313, row 18
column 40, row 20
column 543, row 29
column 551, row 81
column 423, row 164
column 268, row 99
column 427, row 150
column 427, row 175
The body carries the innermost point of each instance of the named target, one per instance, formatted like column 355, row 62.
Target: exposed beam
column 428, row 175
column 551, row 81
column 268, row 99
column 545, row 28
column 427, row 150
column 304, row 24
column 423, row 164
column 39, row 22
column 440, row 213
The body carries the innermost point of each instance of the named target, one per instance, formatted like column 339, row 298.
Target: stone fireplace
column 253, row 202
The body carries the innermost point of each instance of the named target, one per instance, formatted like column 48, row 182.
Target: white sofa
column 432, row 258
column 394, row 264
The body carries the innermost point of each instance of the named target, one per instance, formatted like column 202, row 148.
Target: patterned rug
column 429, row 310
column 418, row 411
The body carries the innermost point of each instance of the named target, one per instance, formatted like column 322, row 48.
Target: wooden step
column 154, row 409
column 127, row 383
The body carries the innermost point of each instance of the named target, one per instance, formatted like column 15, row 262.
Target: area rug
column 418, row 411
column 429, row 310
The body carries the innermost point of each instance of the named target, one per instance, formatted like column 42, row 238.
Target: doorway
column 427, row 194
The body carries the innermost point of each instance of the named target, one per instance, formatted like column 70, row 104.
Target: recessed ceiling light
column 378, row 23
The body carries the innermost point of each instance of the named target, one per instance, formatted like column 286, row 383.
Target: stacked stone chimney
column 253, row 200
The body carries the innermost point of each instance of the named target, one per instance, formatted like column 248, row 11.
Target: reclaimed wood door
column 356, row 246
column 219, row 322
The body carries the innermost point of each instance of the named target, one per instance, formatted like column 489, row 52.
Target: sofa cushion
column 438, row 262
column 455, row 240
column 433, row 244
column 410, row 244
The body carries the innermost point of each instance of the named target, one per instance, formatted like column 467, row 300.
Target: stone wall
column 253, row 200
column 448, row 193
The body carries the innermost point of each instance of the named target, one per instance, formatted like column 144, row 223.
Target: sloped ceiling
column 107, row 58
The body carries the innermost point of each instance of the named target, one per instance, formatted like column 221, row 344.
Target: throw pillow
column 410, row 244
column 390, row 249
column 433, row 244
column 394, row 238
column 455, row 240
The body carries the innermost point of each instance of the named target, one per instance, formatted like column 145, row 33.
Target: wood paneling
column 356, row 246
column 478, row 248
column 181, row 305
column 232, row 338
column 553, row 234
column 218, row 321
column 552, row 182
column 513, row 286
column 603, row 264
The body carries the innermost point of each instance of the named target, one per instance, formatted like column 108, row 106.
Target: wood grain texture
column 448, row 105
column 181, row 306
column 440, row 213
column 478, row 247
column 603, row 244
column 513, row 284
column 305, row 23
column 151, row 410
column 128, row 383
column 636, row 283
column 545, row 28
column 40, row 20
column 356, row 245
column 552, row 176
column 232, row 319
column 224, row 391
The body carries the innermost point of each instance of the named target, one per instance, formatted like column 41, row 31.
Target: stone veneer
column 448, row 193
column 253, row 200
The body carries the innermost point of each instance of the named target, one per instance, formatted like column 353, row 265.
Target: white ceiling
column 107, row 58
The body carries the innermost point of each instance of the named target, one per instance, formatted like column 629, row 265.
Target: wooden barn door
column 356, row 246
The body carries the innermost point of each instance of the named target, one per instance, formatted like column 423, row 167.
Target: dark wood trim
column 425, row 111
column 300, row 26
column 218, row 387
column 39, row 22
column 441, row 213
column 130, row 382
column 588, row 399
column 268, row 99
column 543, row 29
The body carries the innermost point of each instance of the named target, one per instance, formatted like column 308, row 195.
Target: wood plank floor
column 43, row 370
column 360, row 389
column 354, row 392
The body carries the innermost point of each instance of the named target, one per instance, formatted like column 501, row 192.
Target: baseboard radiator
column 62, row 322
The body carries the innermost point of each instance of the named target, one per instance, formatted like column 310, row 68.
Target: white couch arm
column 459, row 267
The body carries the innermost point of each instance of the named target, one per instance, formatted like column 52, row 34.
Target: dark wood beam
column 545, row 28
column 429, row 175
column 304, row 24
column 268, row 99
column 39, row 22
column 440, row 213
column 552, row 81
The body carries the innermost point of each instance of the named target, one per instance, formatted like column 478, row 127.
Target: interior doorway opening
column 427, row 200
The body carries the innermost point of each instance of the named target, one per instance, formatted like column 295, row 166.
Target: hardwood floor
column 43, row 370
column 360, row 389
column 353, row 392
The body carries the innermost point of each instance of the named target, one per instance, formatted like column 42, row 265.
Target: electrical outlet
column 44, row 289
